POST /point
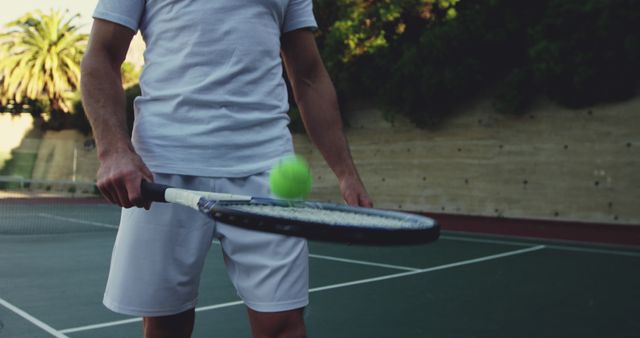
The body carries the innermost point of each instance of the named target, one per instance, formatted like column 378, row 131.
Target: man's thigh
column 269, row 271
column 159, row 255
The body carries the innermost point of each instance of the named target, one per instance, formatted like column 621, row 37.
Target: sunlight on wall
column 12, row 130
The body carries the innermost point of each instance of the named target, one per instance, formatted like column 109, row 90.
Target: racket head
column 393, row 228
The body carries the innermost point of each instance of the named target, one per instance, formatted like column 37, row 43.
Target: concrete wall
column 12, row 132
column 553, row 163
column 66, row 155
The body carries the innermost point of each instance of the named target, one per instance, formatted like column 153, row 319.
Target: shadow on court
column 464, row 285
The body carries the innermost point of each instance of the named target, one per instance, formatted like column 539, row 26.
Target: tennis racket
column 312, row 220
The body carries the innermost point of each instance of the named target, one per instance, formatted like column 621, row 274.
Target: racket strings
column 306, row 213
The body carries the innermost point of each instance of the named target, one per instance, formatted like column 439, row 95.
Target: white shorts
column 159, row 255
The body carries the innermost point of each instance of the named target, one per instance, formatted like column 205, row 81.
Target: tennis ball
column 290, row 178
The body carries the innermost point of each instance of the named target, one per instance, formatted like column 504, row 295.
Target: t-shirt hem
column 303, row 23
column 212, row 172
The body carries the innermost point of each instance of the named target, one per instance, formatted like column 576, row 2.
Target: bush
column 578, row 53
column 585, row 52
column 515, row 93
column 454, row 61
column 130, row 94
column 356, row 39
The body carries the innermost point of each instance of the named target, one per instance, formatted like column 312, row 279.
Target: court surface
column 464, row 285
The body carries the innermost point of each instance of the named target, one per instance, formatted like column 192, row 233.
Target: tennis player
column 212, row 116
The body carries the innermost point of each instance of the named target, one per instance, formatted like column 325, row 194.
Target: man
column 212, row 116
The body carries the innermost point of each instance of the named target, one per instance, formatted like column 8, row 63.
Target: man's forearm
column 104, row 103
column 121, row 170
column 317, row 100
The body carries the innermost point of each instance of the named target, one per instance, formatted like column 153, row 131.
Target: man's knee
column 174, row 326
column 285, row 324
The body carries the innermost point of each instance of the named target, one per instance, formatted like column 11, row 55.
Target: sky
column 12, row 9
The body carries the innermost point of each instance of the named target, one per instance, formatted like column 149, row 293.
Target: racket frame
column 219, row 207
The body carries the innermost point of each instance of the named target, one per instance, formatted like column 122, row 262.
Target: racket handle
column 153, row 192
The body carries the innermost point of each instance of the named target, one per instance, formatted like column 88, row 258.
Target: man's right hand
column 119, row 178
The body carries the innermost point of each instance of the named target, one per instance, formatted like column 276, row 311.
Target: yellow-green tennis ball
column 291, row 178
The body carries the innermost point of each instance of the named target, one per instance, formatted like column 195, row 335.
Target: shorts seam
column 277, row 306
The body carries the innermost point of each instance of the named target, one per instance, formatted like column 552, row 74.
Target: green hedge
column 578, row 53
column 586, row 52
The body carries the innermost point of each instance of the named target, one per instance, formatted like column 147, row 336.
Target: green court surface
column 52, row 280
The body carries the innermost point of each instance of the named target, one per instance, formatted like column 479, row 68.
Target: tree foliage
column 40, row 59
column 585, row 52
column 351, row 28
column 423, row 58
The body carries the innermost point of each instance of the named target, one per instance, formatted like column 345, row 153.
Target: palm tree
column 40, row 58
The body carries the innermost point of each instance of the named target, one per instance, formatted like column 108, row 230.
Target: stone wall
column 552, row 163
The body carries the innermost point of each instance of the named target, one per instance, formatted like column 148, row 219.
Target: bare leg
column 174, row 326
column 285, row 324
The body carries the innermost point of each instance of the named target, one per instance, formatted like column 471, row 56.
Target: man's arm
column 121, row 169
column 316, row 98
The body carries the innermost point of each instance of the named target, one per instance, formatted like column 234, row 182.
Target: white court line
column 334, row 286
column 101, row 326
column 549, row 246
column 435, row 268
column 79, row 221
column 219, row 306
column 35, row 321
column 484, row 240
column 135, row 320
column 354, row 261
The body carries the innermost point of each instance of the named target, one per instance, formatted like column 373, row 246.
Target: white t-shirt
column 214, row 101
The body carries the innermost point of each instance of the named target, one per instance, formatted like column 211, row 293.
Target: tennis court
column 54, row 262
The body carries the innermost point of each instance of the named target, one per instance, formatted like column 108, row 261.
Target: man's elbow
column 309, row 81
column 95, row 64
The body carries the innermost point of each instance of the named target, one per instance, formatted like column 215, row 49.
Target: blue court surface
column 463, row 285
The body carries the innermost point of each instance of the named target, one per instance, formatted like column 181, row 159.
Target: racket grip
column 153, row 192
